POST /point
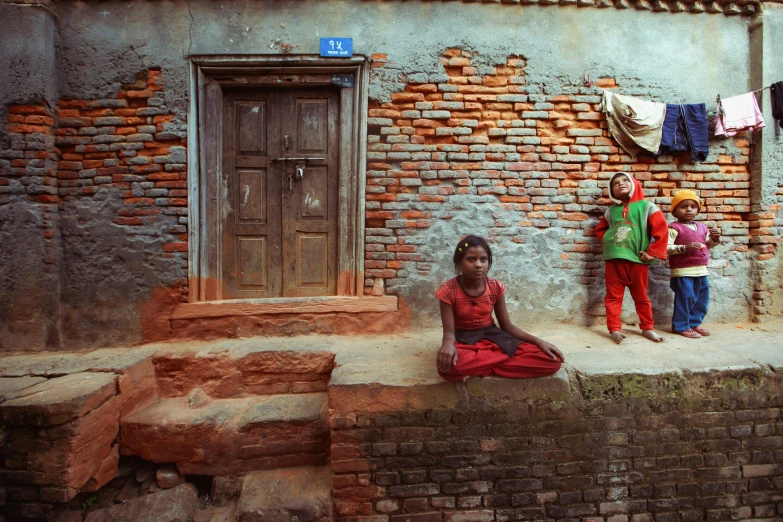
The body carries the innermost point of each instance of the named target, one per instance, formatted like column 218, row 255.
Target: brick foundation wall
column 694, row 452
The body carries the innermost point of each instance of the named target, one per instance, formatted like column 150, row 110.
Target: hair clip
column 460, row 249
column 466, row 245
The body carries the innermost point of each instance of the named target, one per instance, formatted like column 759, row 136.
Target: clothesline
column 753, row 91
column 639, row 125
column 718, row 97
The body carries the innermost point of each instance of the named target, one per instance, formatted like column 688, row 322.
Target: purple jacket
column 686, row 235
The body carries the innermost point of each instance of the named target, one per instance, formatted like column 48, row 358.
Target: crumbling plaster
column 642, row 50
column 27, row 63
column 109, row 272
column 538, row 291
column 767, row 159
column 107, row 43
column 29, row 294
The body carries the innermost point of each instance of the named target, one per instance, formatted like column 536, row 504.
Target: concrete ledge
column 476, row 393
column 398, row 373
column 386, row 373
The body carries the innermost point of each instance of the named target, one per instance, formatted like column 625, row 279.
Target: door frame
column 207, row 76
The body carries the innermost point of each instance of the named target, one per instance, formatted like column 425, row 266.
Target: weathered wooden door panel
column 279, row 231
column 250, row 196
column 311, row 118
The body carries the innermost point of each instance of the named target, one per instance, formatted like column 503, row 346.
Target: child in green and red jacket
column 633, row 232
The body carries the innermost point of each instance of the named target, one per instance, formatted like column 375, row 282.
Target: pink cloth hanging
column 739, row 113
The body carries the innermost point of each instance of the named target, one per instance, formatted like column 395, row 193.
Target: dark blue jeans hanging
column 685, row 128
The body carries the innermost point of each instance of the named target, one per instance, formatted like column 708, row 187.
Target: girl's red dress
column 485, row 357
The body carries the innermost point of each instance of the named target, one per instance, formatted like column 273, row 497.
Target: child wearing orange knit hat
column 688, row 249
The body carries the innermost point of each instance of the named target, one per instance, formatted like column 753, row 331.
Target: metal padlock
column 300, row 168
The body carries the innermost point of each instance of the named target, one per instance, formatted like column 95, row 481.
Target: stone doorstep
column 230, row 435
column 243, row 370
column 75, row 456
column 61, row 430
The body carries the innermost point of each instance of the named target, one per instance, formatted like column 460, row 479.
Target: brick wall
column 711, row 455
column 28, row 167
column 534, row 159
column 130, row 145
column 530, row 158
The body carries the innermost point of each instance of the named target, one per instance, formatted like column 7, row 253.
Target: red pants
column 485, row 358
column 621, row 273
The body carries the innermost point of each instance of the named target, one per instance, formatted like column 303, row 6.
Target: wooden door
column 279, row 230
column 309, row 119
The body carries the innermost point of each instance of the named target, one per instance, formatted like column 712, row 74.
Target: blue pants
column 691, row 297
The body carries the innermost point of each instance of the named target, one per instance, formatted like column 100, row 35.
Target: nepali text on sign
column 336, row 47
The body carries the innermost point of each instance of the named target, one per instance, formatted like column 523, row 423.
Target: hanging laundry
column 635, row 124
column 685, row 128
column 777, row 102
column 738, row 113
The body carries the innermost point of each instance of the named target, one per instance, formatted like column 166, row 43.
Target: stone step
column 238, row 368
column 178, row 503
column 59, row 436
column 282, row 495
column 205, row 436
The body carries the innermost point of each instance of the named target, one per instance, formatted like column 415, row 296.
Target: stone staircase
column 238, row 410
column 227, row 436
column 251, row 412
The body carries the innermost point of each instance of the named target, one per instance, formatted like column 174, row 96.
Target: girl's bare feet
column 651, row 335
column 617, row 336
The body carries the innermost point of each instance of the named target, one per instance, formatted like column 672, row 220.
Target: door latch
column 300, row 168
column 297, row 159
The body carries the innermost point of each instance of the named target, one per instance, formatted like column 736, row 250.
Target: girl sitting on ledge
column 472, row 344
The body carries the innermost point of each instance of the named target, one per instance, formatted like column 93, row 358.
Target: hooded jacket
column 637, row 226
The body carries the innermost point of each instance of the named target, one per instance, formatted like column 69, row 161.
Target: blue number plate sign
column 337, row 47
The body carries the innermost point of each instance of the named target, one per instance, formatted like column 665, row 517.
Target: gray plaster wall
column 27, row 59
column 29, row 294
column 539, row 291
column 109, row 273
column 105, row 44
column 767, row 160
column 664, row 56
column 767, row 37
